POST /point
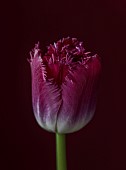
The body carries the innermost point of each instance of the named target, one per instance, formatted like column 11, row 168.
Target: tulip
column 64, row 85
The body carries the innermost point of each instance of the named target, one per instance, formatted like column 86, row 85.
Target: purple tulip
column 64, row 85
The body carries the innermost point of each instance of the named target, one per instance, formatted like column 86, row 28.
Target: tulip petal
column 79, row 97
column 46, row 96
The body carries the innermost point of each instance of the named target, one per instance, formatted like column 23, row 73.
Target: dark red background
column 102, row 26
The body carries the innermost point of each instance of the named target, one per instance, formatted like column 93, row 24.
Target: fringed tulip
column 64, row 85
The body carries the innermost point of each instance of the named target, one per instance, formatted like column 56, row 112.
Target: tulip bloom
column 64, row 85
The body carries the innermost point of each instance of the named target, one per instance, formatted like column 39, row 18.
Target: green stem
column 60, row 152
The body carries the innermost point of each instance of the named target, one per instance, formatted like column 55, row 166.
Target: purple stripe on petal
column 47, row 106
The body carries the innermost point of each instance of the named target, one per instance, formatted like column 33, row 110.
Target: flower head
column 64, row 85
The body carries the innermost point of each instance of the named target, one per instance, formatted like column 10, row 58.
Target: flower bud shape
column 64, row 85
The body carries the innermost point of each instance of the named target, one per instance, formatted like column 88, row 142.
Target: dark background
column 102, row 26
